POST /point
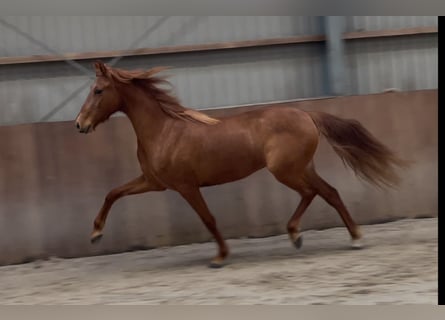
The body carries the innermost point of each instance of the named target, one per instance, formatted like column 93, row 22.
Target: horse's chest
column 145, row 162
column 149, row 164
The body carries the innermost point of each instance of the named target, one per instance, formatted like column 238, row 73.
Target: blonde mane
column 151, row 84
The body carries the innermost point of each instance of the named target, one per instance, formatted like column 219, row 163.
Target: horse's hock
column 53, row 181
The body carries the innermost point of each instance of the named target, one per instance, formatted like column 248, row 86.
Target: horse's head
column 102, row 101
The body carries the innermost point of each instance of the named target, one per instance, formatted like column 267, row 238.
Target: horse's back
column 276, row 121
column 262, row 128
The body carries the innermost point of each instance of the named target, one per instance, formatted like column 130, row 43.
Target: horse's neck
column 145, row 115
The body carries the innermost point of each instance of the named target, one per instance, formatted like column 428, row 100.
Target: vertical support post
column 335, row 55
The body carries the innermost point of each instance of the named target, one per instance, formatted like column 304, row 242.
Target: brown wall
column 53, row 181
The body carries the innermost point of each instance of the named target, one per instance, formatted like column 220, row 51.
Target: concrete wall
column 53, row 181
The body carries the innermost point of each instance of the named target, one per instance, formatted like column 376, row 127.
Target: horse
column 182, row 149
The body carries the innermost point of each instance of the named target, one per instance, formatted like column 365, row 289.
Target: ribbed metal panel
column 200, row 80
column 249, row 76
column 26, row 101
column 404, row 63
column 87, row 33
column 213, row 78
column 368, row 23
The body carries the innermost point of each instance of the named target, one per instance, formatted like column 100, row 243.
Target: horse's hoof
column 356, row 244
column 216, row 264
column 299, row 242
column 95, row 237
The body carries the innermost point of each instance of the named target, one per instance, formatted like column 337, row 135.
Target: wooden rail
column 213, row 46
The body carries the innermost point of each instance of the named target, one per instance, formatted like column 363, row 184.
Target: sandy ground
column 398, row 265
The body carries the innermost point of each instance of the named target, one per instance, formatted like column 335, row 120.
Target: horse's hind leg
column 293, row 225
column 331, row 196
column 298, row 182
column 308, row 185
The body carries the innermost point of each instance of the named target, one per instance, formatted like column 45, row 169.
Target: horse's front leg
column 136, row 186
column 195, row 199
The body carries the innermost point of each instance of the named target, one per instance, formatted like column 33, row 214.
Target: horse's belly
column 228, row 168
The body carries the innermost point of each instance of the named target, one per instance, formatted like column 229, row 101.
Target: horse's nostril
column 77, row 125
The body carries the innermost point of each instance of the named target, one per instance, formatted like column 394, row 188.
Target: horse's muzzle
column 83, row 129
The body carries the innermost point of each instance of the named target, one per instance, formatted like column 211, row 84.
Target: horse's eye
column 97, row 91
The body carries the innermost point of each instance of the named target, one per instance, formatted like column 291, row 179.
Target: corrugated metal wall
column 200, row 80
column 368, row 23
column 212, row 78
column 403, row 63
column 86, row 34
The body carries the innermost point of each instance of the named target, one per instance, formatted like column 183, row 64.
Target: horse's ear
column 100, row 68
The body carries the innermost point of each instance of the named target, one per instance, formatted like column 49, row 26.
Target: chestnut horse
column 182, row 149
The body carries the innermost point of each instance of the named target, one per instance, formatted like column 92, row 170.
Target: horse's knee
column 112, row 196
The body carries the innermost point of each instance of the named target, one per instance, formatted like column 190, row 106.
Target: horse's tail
column 357, row 147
